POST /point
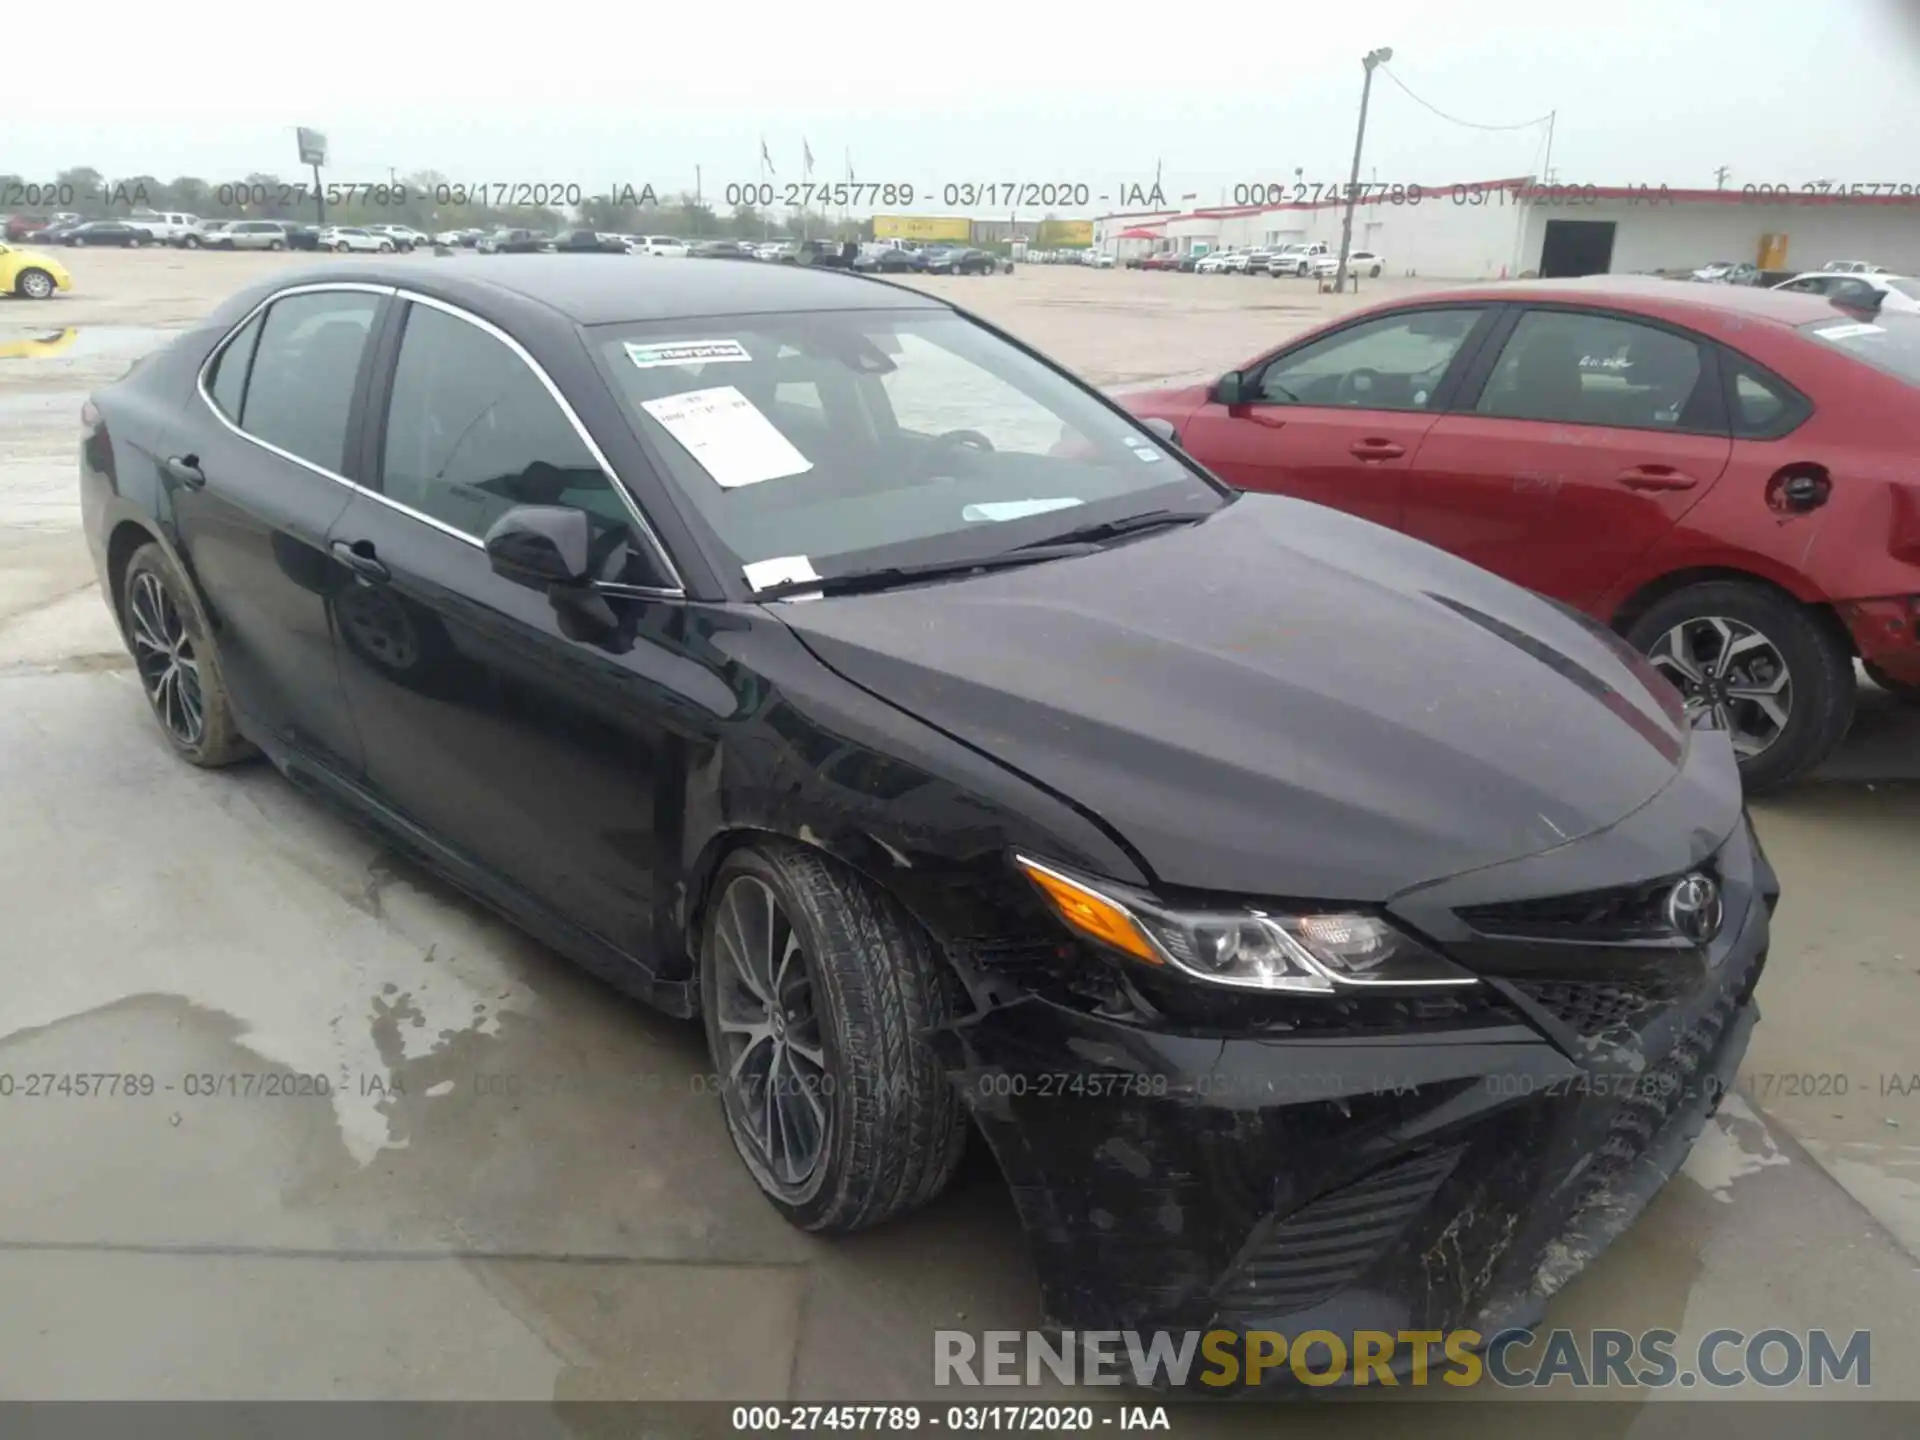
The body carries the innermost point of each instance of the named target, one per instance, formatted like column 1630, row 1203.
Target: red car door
column 1591, row 435
column 1338, row 418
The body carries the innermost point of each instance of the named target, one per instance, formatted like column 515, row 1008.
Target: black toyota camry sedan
column 1319, row 930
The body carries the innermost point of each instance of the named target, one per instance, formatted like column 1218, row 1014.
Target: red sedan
column 1725, row 476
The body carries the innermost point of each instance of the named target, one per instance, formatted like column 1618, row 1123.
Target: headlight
column 1300, row 953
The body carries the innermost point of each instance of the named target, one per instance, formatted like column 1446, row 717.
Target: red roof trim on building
column 1524, row 190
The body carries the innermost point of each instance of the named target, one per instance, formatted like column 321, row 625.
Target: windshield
column 1887, row 342
column 1908, row 288
column 865, row 439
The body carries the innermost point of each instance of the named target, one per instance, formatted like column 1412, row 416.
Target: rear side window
column 471, row 432
column 304, row 369
column 227, row 381
column 1760, row 406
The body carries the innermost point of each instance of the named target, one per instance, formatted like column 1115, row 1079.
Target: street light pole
column 1371, row 59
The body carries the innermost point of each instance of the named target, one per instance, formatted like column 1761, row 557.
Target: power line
column 1456, row 120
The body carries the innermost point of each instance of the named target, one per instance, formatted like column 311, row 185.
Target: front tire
column 1761, row 664
column 818, row 993
column 33, row 283
column 276, row 245
column 192, row 242
column 175, row 659
column 341, row 247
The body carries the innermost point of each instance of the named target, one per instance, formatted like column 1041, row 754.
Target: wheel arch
column 128, row 535
column 1638, row 602
column 861, row 854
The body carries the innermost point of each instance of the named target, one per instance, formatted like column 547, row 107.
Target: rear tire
column 858, row 986
column 1816, row 696
column 177, row 663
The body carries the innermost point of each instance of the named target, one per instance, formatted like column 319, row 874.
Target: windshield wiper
column 886, row 577
column 1110, row 529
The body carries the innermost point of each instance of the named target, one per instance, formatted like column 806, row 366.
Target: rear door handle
column 1655, row 477
column 359, row 558
column 1377, row 450
column 186, row 469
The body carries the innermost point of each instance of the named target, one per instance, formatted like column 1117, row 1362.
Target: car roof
column 589, row 291
column 1677, row 299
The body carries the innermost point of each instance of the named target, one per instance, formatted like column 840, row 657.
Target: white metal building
column 1486, row 229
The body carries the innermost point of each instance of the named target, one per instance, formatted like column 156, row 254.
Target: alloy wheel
column 37, row 283
column 776, row 1081
column 1731, row 675
column 163, row 654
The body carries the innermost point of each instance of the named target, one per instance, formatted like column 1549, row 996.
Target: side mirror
column 1163, row 428
column 1227, row 389
column 539, row 546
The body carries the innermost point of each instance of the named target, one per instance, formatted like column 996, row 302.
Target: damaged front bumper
column 1426, row 1178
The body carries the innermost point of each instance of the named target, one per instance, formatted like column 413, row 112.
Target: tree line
column 425, row 199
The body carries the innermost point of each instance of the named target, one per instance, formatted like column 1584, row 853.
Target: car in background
column 166, row 227
column 28, row 227
column 1658, row 456
column 356, row 238
column 464, row 239
column 1234, row 799
column 1159, row 260
column 31, row 275
column 512, row 241
column 1859, row 290
column 1359, row 262
column 1852, row 267
column 664, row 246
column 1100, row 259
column 1243, row 262
column 404, row 237
column 1728, row 272
column 301, row 236
column 588, row 242
column 887, row 260
column 251, row 235
column 203, row 236
column 1214, row 262
column 108, row 232
column 1296, row 258
column 962, row 260
column 722, row 250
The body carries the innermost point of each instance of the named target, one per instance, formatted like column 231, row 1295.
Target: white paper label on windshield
column 1847, row 332
column 1015, row 509
column 686, row 352
column 732, row 440
column 781, row 570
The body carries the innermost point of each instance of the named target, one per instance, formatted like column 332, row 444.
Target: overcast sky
column 1647, row 91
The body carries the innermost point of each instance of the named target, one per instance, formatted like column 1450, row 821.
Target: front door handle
column 1655, row 477
column 1376, row 450
column 358, row 557
column 186, row 469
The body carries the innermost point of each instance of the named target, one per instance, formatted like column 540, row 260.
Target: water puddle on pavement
column 79, row 342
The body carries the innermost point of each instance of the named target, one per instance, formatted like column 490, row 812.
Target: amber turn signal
column 1091, row 913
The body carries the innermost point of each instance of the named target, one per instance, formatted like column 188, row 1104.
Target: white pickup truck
column 1297, row 258
column 168, row 227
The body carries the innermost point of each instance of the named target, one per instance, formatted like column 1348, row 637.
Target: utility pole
column 1368, row 61
column 1720, row 178
column 1546, row 166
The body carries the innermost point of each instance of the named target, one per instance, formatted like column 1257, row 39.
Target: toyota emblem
column 1694, row 908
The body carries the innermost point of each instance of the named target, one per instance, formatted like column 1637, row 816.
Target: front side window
column 1586, row 368
column 304, row 369
column 859, row 439
column 1393, row 363
column 471, row 432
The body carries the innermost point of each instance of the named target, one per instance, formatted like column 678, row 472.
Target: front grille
column 1326, row 1244
column 1593, row 1008
column 1620, row 914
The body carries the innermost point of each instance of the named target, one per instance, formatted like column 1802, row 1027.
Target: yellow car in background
column 31, row 274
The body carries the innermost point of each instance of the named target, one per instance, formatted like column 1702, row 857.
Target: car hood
column 1280, row 701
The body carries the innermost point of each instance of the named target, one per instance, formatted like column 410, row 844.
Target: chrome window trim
column 676, row 591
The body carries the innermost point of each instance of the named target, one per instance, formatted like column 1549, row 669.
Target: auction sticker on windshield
column 781, row 570
column 1847, row 332
column 1015, row 509
column 686, row 352
column 727, row 434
